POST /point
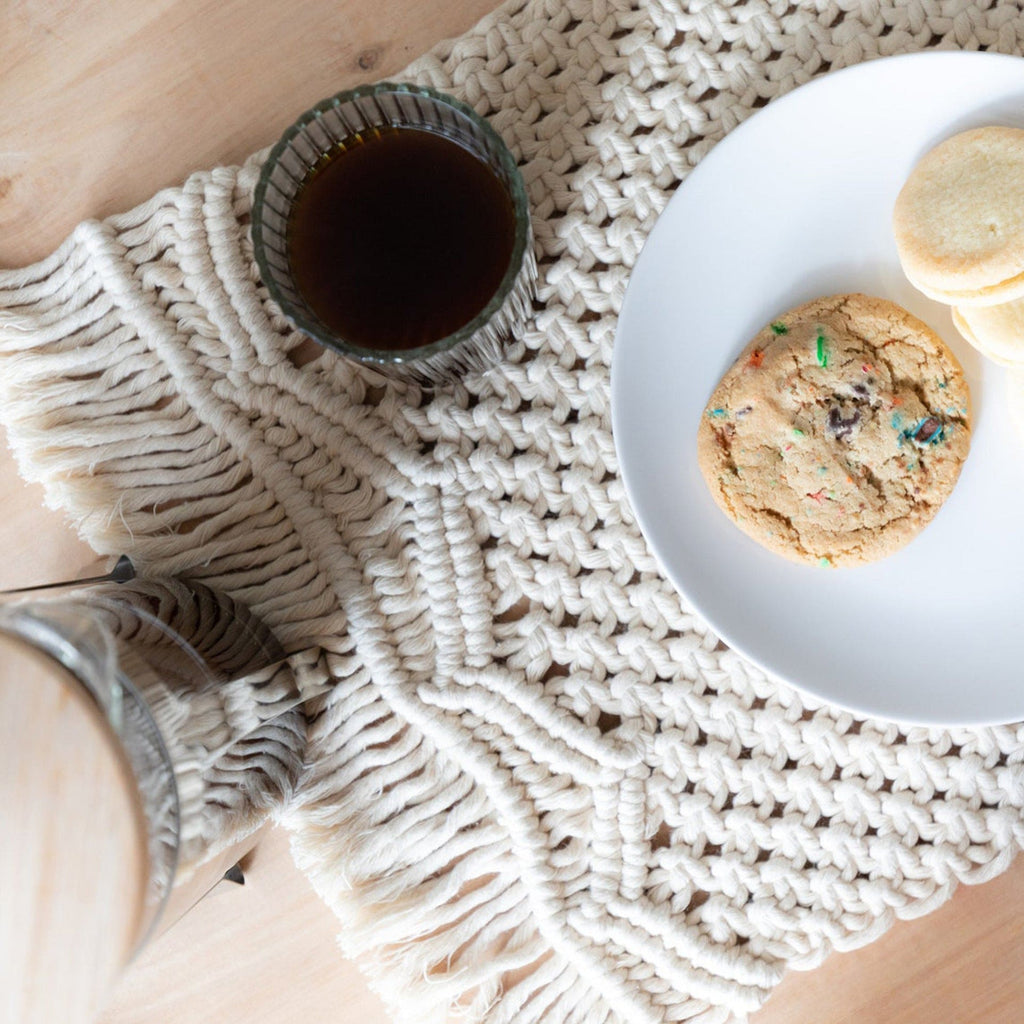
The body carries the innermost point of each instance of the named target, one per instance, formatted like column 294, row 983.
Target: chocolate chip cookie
column 838, row 433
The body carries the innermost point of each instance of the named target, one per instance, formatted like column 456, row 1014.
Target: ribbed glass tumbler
column 334, row 128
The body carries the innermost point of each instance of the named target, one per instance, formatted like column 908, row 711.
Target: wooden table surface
column 101, row 103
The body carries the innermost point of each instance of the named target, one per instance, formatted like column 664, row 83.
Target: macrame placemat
column 540, row 789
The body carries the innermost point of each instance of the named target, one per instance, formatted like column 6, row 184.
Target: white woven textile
column 540, row 790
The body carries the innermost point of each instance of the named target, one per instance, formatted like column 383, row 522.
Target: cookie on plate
column 959, row 219
column 838, row 433
column 995, row 331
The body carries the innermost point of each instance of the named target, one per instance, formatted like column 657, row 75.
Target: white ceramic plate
column 794, row 204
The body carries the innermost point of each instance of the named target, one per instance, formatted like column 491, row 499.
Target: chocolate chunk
column 860, row 392
column 840, row 426
column 724, row 436
column 929, row 430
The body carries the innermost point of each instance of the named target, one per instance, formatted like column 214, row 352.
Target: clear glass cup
column 326, row 130
column 188, row 680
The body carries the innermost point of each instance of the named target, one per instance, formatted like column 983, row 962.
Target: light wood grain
column 262, row 953
column 38, row 544
column 962, row 964
column 73, row 862
column 101, row 103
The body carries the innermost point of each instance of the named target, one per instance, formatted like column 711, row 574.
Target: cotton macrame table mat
column 540, row 789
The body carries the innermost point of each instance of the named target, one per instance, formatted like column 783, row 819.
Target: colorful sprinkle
column 941, row 383
column 822, row 354
column 797, row 432
column 756, row 359
column 822, row 471
column 897, row 402
column 717, row 413
column 866, row 367
column 817, row 496
column 896, row 421
column 824, row 563
column 779, row 328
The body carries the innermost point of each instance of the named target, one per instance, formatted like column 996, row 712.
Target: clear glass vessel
column 163, row 659
column 327, row 130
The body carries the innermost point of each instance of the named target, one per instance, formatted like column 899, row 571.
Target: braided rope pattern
column 224, row 701
column 540, row 789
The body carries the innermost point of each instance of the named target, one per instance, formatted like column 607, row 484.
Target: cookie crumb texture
column 838, row 433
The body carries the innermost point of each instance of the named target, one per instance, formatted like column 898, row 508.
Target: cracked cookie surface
column 838, row 433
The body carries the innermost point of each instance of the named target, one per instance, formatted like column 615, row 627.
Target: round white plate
column 794, row 204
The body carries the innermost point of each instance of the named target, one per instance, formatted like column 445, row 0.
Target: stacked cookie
column 959, row 228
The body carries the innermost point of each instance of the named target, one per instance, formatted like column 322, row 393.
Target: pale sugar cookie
column 838, row 433
column 995, row 331
column 959, row 219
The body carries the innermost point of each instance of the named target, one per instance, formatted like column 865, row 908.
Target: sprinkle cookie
column 838, row 433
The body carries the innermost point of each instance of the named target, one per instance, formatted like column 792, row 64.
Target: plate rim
column 726, row 144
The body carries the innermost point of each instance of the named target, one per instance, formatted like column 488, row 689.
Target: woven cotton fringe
column 540, row 789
